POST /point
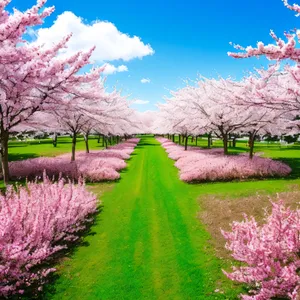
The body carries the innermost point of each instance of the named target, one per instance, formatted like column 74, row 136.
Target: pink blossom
column 269, row 253
column 95, row 166
column 35, row 222
column 197, row 164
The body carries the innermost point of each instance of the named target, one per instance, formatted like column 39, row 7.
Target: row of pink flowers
column 36, row 222
column 96, row 166
column 197, row 164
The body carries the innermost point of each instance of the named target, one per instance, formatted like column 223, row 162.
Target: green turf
column 23, row 150
column 147, row 242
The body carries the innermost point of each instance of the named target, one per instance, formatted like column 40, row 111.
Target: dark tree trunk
column 196, row 140
column 173, row 138
column 209, row 141
column 225, row 143
column 4, row 155
column 54, row 141
column 179, row 139
column 99, row 136
column 234, row 142
column 73, row 146
column 251, row 144
column 186, row 143
column 105, row 140
column 86, row 140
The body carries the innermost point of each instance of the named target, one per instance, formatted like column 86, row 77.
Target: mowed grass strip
column 148, row 242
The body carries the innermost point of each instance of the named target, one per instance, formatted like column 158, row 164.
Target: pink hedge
column 197, row 164
column 36, row 222
column 96, row 166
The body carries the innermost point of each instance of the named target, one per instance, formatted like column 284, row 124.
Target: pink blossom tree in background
column 33, row 78
column 180, row 117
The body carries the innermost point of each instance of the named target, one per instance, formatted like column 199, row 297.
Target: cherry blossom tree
column 33, row 78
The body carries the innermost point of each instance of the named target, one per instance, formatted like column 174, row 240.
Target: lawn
column 148, row 241
column 22, row 150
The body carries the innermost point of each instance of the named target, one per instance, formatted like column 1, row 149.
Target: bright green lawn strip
column 148, row 242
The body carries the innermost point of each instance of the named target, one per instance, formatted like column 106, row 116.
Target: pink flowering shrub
column 96, row 166
column 35, row 222
column 197, row 164
column 269, row 253
column 34, row 167
column 96, row 175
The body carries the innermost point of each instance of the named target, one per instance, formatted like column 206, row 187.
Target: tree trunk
column 54, row 141
column 173, row 138
column 251, row 144
column 105, row 140
column 225, row 143
column 196, row 140
column 98, row 141
column 186, row 143
column 209, row 143
column 86, row 139
column 73, row 146
column 234, row 142
column 4, row 155
column 179, row 139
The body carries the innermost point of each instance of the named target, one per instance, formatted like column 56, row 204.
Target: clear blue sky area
column 188, row 37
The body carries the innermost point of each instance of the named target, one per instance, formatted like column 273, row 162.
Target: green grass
column 44, row 147
column 148, row 242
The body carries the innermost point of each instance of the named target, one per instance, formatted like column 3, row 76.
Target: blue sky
column 188, row 38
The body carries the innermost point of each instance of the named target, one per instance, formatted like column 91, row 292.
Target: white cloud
column 111, row 69
column 140, row 102
column 145, row 80
column 111, row 44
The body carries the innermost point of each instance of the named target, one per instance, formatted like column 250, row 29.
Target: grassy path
column 148, row 242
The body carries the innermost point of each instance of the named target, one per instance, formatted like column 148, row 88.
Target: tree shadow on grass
column 21, row 156
column 294, row 163
column 142, row 145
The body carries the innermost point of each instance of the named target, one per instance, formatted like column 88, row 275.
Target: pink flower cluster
column 96, row 166
column 197, row 164
column 35, row 222
column 270, row 253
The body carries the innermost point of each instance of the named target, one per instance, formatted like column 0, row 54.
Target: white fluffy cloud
column 111, row 69
column 111, row 44
column 140, row 102
column 145, row 80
